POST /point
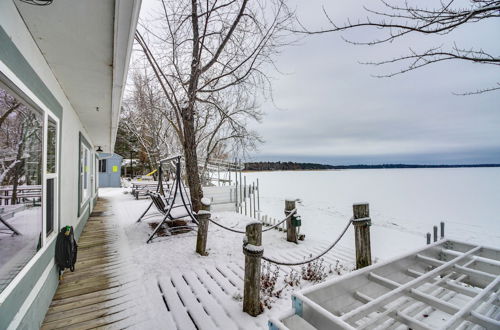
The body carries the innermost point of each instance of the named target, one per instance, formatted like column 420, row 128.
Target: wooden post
column 362, row 223
column 428, row 238
column 241, row 190
column 253, row 251
column 201, row 240
column 442, row 230
column 291, row 231
column 258, row 199
column 435, row 228
column 245, row 193
column 218, row 175
column 254, row 201
column 250, row 205
column 236, row 189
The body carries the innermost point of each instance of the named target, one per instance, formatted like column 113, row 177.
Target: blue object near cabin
column 110, row 167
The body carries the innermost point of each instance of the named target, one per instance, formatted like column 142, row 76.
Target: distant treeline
column 292, row 166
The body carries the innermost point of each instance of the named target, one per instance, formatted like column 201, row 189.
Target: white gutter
column 126, row 17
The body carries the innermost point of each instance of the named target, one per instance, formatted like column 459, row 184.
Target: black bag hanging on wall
column 66, row 249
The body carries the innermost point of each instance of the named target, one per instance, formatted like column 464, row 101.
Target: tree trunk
column 193, row 176
column 18, row 169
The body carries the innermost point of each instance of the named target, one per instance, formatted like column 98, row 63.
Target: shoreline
column 375, row 167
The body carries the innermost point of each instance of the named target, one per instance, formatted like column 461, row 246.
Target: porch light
column 99, row 149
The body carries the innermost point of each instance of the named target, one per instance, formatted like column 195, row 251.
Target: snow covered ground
column 17, row 250
column 182, row 289
column 404, row 203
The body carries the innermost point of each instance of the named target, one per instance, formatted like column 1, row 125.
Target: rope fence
column 254, row 251
column 284, row 263
column 298, row 263
column 292, row 212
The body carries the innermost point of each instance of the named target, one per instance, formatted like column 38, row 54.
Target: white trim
column 85, row 167
column 14, row 324
column 46, row 241
column 47, row 176
column 125, row 23
column 44, row 176
column 15, row 281
column 84, row 210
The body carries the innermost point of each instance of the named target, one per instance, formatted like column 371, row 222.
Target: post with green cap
column 362, row 222
column 291, row 230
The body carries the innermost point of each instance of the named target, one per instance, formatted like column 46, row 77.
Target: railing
column 23, row 194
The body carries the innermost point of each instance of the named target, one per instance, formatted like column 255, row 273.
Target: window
column 50, row 206
column 84, row 173
column 51, row 181
column 96, row 176
column 51, row 145
column 102, row 165
column 21, row 178
column 86, row 170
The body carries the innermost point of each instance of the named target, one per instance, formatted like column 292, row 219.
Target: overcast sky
column 332, row 111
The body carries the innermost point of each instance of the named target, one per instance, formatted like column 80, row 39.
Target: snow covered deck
column 121, row 282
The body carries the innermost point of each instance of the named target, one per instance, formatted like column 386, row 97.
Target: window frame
column 103, row 163
column 96, row 173
column 12, row 84
column 47, row 176
column 83, row 202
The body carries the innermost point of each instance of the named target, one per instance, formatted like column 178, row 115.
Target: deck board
column 92, row 296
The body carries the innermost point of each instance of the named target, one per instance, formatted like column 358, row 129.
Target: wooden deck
column 109, row 290
column 93, row 296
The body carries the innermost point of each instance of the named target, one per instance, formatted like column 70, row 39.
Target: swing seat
column 178, row 211
column 162, row 204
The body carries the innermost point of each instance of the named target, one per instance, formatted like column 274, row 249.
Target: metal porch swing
column 171, row 208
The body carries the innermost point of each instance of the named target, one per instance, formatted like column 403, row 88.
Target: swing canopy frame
column 177, row 198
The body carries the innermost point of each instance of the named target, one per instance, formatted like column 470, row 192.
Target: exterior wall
column 24, row 302
column 110, row 178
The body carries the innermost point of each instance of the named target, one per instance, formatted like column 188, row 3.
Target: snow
column 404, row 203
column 206, row 290
column 254, row 248
column 361, row 219
column 179, row 288
column 16, row 251
column 253, row 222
column 178, row 211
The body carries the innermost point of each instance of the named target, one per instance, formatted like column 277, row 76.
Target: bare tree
column 222, row 126
column 8, row 104
column 400, row 20
column 142, row 117
column 203, row 50
column 20, row 146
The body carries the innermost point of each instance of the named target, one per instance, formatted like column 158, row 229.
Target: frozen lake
column 404, row 203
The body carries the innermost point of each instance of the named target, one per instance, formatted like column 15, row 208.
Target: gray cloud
column 335, row 111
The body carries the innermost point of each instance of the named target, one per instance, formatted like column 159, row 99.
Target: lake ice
column 404, row 203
